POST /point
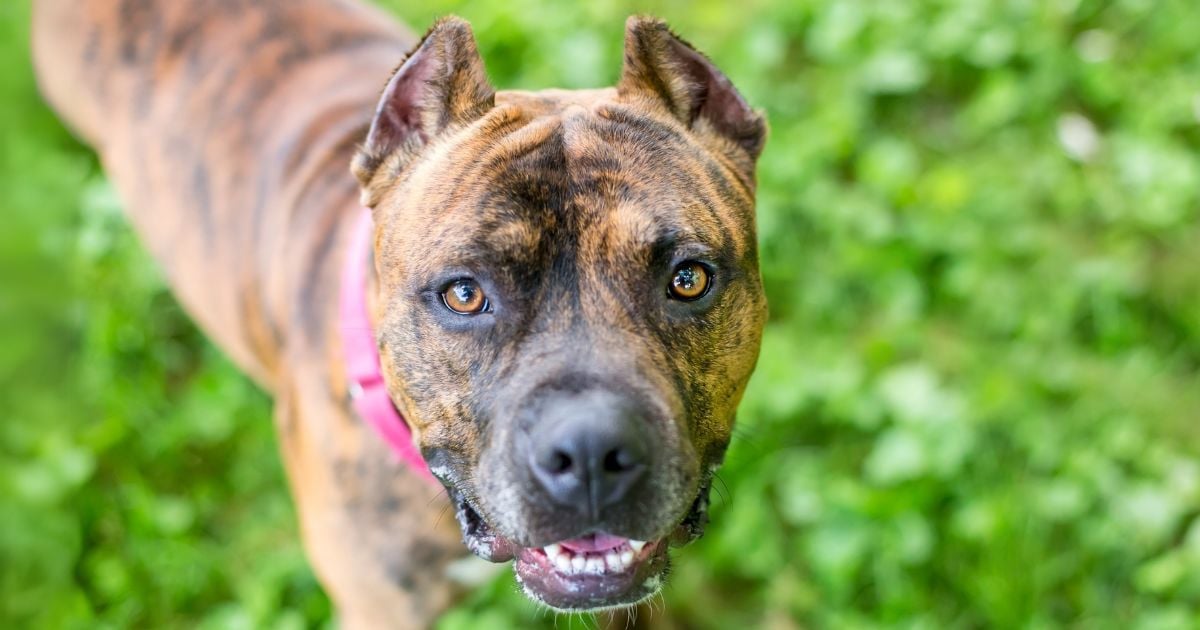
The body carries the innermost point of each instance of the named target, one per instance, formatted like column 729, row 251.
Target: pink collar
column 361, row 352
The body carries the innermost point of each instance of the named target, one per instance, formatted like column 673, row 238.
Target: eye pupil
column 686, row 280
column 464, row 297
column 690, row 282
column 464, row 292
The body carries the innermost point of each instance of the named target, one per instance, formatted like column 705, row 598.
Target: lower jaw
column 596, row 584
column 570, row 591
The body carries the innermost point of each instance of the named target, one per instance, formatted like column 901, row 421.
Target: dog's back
column 225, row 125
column 228, row 127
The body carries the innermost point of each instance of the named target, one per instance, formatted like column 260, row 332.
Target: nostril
column 586, row 450
column 559, row 462
column 619, row 460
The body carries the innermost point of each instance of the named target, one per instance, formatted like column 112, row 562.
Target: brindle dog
column 566, row 291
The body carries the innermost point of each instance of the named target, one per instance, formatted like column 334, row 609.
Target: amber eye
column 465, row 297
column 689, row 282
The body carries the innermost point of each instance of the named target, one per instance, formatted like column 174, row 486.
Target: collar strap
column 360, row 352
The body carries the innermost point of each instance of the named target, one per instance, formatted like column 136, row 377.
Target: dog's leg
column 381, row 539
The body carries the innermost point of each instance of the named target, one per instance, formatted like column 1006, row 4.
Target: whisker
column 441, row 493
column 725, row 496
column 441, row 513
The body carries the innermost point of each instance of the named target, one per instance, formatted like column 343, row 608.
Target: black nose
column 588, row 449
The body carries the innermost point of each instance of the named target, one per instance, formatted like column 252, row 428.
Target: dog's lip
column 539, row 570
column 478, row 534
column 622, row 573
column 588, row 572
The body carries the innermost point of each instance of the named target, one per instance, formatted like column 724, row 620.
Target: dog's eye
column 465, row 297
column 690, row 282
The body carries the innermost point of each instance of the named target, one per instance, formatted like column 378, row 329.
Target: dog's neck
column 369, row 394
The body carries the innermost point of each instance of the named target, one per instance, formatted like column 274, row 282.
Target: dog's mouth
column 590, row 572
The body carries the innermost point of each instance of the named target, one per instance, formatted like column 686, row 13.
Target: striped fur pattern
column 227, row 126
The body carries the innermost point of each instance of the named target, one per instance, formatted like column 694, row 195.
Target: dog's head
column 569, row 303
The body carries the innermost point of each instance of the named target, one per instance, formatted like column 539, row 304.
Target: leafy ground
column 978, row 402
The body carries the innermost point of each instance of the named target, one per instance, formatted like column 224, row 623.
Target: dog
column 561, row 289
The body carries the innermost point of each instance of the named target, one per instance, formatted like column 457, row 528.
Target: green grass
column 978, row 403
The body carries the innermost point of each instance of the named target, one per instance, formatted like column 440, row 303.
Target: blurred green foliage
column 978, row 401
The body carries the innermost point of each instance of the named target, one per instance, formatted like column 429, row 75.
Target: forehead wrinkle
column 496, row 246
column 637, row 234
column 431, row 164
column 639, row 194
column 516, row 242
column 670, row 154
column 473, row 213
column 516, row 143
column 455, row 167
column 646, row 218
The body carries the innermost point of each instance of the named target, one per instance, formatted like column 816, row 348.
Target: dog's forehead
column 570, row 165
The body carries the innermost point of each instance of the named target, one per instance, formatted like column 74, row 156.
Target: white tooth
column 626, row 559
column 552, row 551
column 637, row 545
column 578, row 562
column 613, row 561
column 595, row 564
column 563, row 563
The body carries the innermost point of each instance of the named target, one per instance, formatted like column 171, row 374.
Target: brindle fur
column 227, row 125
column 568, row 207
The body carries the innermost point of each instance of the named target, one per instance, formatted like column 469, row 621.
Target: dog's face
column 569, row 304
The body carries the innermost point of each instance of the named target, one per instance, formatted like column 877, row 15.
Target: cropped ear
column 667, row 69
column 442, row 84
